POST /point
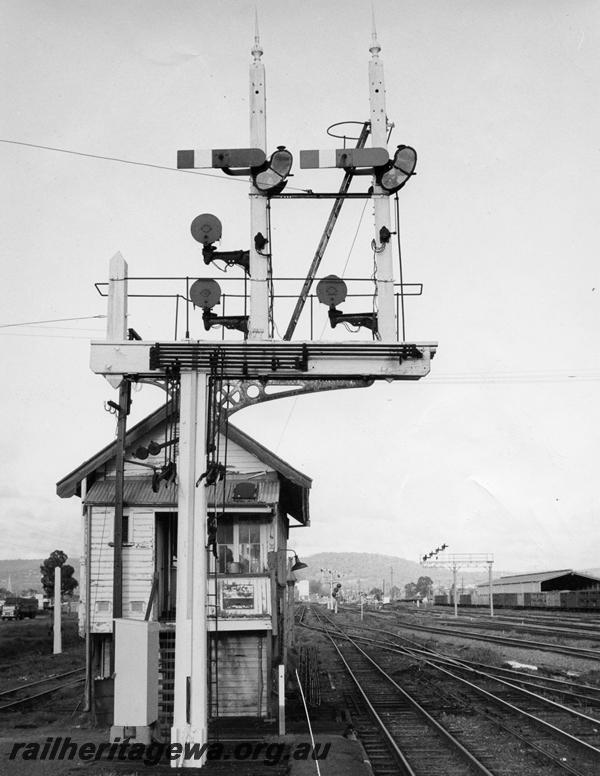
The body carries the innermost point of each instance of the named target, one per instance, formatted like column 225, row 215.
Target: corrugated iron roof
column 137, row 491
column 540, row 576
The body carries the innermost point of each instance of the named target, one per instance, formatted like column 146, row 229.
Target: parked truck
column 18, row 608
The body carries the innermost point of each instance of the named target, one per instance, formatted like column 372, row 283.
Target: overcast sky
column 498, row 449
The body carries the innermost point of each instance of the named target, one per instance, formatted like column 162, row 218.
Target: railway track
column 523, row 625
column 30, row 692
column 507, row 641
column 580, row 694
column 443, row 723
column 556, row 615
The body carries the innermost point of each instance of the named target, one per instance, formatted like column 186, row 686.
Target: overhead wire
column 51, row 320
column 119, row 160
column 42, row 336
column 506, row 378
column 115, row 159
column 62, row 328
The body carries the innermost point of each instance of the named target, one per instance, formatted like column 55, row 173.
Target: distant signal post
column 456, row 561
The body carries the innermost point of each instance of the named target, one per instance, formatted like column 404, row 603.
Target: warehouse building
column 543, row 588
column 543, row 581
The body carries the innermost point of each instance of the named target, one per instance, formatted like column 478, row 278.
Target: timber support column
column 384, row 278
column 190, row 712
column 116, row 330
column 258, row 324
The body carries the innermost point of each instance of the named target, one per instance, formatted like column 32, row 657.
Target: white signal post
column 57, row 647
column 458, row 561
column 386, row 310
column 258, row 323
column 116, row 318
column 190, row 712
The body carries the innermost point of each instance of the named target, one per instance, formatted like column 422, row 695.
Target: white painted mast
column 258, row 325
column 190, row 711
column 384, row 257
column 116, row 319
column 190, row 707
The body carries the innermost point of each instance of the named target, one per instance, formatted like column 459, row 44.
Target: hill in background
column 365, row 571
column 358, row 570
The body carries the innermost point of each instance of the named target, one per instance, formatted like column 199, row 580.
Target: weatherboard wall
column 138, row 567
column 238, row 459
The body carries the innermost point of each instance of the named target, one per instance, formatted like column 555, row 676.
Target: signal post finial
column 375, row 47
column 257, row 51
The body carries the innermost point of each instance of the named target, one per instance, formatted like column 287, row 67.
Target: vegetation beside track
column 26, row 656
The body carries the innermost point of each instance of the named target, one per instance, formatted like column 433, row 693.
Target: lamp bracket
column 231, row 258
column 236, row 322
column 368, row 320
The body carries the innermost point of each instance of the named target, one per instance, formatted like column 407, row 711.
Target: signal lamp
column 207, row 229
column 270, row 178
column 206, row 293
column 332, row 290
column 393, row 175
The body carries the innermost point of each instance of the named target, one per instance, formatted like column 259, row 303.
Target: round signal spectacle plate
column 331, row 290
column 205, row 293
column 206, row 229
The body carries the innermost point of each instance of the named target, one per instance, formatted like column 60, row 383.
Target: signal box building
column 250, row 586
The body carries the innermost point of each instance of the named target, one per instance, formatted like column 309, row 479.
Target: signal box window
column 249, row 547
column 225, row 545
column 239, row 547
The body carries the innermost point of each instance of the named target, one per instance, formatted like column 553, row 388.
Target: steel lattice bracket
column 237, row 394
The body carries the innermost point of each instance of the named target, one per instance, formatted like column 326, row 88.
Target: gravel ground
column 470, row 649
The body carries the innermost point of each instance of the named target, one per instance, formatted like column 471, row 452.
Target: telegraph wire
column 43, row 336
column 500, row 379
column 51, row 320
column 115, row 159
column 237, row 179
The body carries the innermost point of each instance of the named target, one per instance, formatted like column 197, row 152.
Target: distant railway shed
column 541, row 582
column 564, row 589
